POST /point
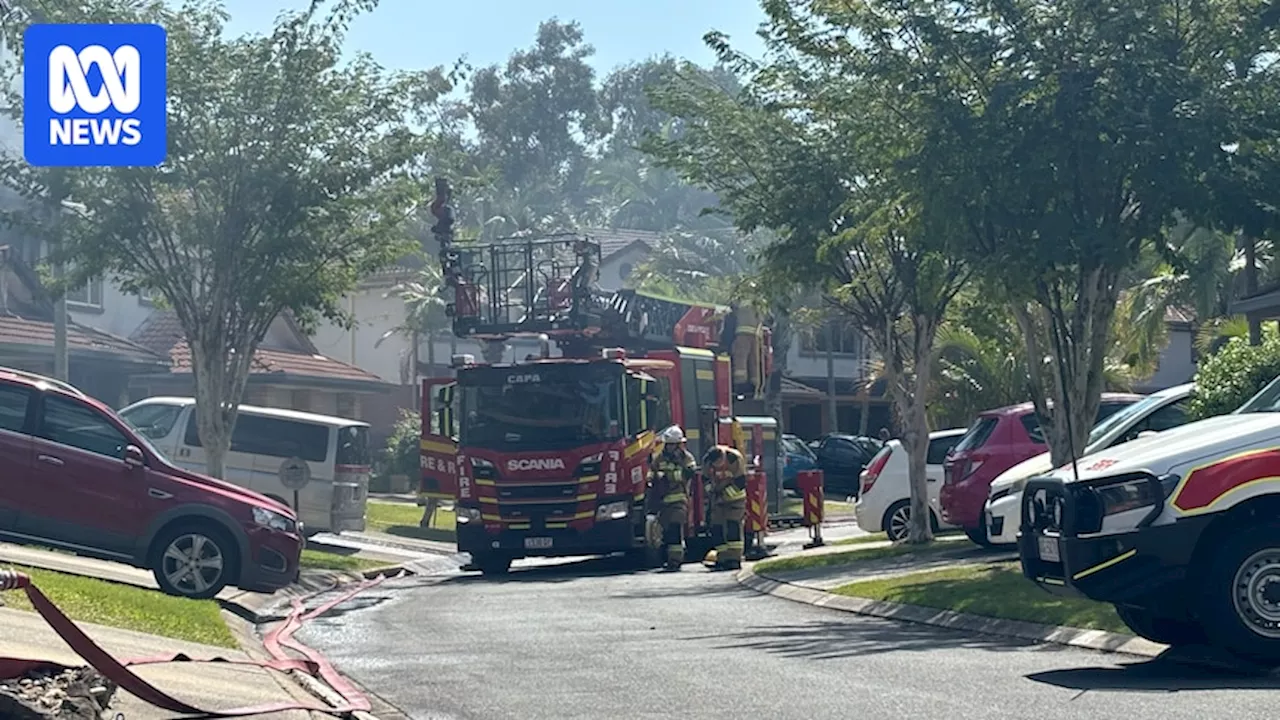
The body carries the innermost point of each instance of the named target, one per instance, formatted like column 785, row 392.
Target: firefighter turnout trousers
column 671, row 519
column 726, row 529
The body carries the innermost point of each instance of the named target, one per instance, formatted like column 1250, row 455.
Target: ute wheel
column 194, row 560
column 897, row 521
column 493, row 564
column 1149, row 624
column 1240, row 604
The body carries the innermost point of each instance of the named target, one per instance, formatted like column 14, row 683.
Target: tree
column 1063, row 137
column 271, row 200
column 781, row 156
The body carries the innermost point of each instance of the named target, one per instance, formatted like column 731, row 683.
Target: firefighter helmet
column 672, row 435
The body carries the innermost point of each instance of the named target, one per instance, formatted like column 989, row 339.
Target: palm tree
column 424, row 316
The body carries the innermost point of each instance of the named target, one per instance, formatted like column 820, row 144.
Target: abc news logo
column 69, row 90
column 94, row 95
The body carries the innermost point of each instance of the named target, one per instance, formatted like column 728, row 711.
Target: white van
column 335, row 449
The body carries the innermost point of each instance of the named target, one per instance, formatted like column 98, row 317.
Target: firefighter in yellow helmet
column 726, row 470
column 671, row 473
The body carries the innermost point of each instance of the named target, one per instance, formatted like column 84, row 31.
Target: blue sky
column 414, row 34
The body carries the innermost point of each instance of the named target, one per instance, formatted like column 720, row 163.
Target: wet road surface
column 592, row 639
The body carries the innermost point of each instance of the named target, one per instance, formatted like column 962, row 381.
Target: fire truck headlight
column 466, row 515
column 613, row 510
column 592, row 459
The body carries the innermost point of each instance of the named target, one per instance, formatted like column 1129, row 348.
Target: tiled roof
column 1179, row 315
column 285, row 363
column 162, row 333
column 793, row 388
column 614, row 240
column 20, row 331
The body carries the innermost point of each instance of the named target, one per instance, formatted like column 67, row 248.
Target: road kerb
column 1075, row 637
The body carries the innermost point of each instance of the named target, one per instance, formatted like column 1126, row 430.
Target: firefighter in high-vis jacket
column 725, row 469
column 672, row 472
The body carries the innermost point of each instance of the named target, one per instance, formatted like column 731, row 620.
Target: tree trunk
column 220, row 383
column 781, row 346
column 1251, row 283
column 833, row 415
column 915, row 433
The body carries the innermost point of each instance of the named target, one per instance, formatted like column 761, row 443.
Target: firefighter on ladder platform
column 672, row 472
column 725, row 469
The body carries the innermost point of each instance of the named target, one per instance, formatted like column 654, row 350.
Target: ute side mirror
column 133, row 456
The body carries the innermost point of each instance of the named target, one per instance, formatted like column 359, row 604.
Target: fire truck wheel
column 1240, row 607
column 493, row 564
column 1153, row 626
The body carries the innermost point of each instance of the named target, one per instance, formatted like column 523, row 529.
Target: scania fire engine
column 549, row 455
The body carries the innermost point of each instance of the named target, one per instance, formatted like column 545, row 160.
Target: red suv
column 78, row 477
column 996, row 441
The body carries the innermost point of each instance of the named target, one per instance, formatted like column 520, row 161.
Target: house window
column 846, row 341
column 347, row 407
column 87, row 295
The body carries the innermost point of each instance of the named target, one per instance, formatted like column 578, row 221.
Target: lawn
column 322, row 560
column 398, row 518
column 126, row 606
column 997, row 590
column 795, row 506
column 819, row 560
column 861, row 539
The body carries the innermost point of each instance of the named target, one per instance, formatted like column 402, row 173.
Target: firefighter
column 726, row 470
column 673, row 470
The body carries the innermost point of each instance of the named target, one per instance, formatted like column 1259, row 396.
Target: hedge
column 1228, row 378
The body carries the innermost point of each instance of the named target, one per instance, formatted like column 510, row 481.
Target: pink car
column 996, row 441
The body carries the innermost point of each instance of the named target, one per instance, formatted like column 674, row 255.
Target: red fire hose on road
column 117, row 671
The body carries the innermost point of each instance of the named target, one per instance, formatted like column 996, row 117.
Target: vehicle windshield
column 152, row 422
column 541, row 407
column 1123, row 416
column 1267, row 399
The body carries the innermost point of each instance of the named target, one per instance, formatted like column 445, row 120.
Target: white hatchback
column 1156, row 412
column 885, row 496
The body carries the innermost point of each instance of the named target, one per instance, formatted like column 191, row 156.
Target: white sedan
column 1159, row 411
column 885, row 495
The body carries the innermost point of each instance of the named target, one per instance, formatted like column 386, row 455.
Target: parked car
column 1176, row 530
column 1155, row 413
column 796, row 456
column 336, row 451
column 79, row 477
column 842, row 459
column 884, row 500
column 996, row 441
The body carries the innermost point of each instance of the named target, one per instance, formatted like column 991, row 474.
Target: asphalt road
column 592, row 640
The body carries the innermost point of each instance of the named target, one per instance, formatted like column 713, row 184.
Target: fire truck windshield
column 544, row 407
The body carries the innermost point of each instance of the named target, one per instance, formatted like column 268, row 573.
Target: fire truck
column 548, row 455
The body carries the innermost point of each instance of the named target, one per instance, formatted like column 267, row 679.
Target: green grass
column 126, row 606
column 795, row 506
column 322, row 560
column 397, row 518
column 862, row 539
column 850, row 557
column 997, row 590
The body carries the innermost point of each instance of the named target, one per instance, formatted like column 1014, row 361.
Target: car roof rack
column 36, row 377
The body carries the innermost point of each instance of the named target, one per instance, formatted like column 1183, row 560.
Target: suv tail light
column 872, row 473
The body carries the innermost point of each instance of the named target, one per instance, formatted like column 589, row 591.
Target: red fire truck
column 549, row 456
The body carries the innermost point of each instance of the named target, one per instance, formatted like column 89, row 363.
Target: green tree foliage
column 1234, row 374
column 270, row 200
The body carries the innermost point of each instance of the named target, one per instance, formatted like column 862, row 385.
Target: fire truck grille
column 544, row 512
column 538, row 492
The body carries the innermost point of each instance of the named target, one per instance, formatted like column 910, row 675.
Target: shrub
column 1229, row 377
column 404, row 445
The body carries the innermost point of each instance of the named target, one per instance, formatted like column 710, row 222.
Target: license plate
column 537, row 543
column 1049, row 549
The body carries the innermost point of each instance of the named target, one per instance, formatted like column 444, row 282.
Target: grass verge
column 322, row 560
column 849, row 557
column 397, row 518
column 997, row 590
column 795, row 506
column 128, row 607
column 862, row 539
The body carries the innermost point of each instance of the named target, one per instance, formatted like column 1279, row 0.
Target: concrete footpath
column 210, row 686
